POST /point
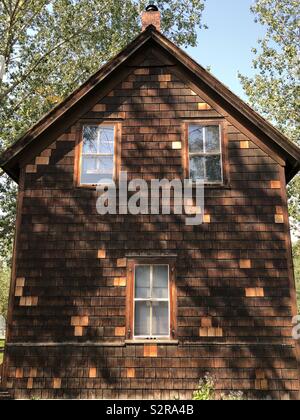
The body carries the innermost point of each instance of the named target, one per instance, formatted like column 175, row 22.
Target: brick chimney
column 151, row 17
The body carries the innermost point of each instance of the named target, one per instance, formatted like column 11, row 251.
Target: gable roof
column 282, row 146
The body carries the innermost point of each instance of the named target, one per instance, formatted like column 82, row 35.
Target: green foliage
column 294, row 204
column 296, row 254
column 4, row 290
column 50, row 47
column 275, row 91
column 8, row 192
column 206, row 392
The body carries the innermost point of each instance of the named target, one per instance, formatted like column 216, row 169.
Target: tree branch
column 22, row 29
column 5, row 6
column 15, row 10
column 38, row 62
column 14, row 38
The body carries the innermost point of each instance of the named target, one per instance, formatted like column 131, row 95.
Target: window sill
column 159, row 342
column 87, row 187
column 91, row 186
column 223, row 186
column 206, row 186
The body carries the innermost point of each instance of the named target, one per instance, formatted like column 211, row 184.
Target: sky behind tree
column 226, row 45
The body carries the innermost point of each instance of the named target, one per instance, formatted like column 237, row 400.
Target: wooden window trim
column 130, row 298
column 224, row 150
column 78, row 151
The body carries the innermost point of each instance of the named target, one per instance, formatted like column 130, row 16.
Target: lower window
column 151, row 301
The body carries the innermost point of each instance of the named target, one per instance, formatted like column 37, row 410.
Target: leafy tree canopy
column 50, row 47
column 275, row 91
column 296, row 254
column 4, row 289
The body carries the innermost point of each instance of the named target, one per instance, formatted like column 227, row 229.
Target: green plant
column 206, row 392
column 206, row 389
column 296, row 255
column 4, row 289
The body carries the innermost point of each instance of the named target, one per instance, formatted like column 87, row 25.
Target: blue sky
column 226, row 45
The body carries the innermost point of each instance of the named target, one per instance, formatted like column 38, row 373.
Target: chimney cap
column 152, row 8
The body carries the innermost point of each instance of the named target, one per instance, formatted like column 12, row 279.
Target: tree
column 4, row 289
column 296, row 254
column 8, row 193
column 50, row 47
column 275, row 91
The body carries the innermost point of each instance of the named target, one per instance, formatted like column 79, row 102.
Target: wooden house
column 143, row 306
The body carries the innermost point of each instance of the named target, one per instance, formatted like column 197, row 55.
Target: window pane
column 160, row 322
column 142, row 282
column 89, row 173
column 212, row 139
column 106, row 145
column 197, row 168
column 195, row 139
column 96, row 169
column 213, row 168
column 89, row 165
column 160, row 282
column 142, row 319
column 97, row 140
column 106, row 166
column 90, row 137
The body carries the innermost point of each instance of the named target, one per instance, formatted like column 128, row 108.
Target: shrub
column 206, row 389
column 206, row 392
column 4, row 289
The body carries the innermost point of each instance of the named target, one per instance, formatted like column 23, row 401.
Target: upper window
column 98, row 154
column 205, row 153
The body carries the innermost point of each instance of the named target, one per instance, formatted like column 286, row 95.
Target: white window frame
column 207, row 154
column 97, row 155
column 151, row 300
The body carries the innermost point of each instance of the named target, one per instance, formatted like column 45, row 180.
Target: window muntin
column 98, row 154
column 151, row 301
column 205, row 153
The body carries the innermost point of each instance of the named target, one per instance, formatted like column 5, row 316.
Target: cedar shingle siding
column 232, row 274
